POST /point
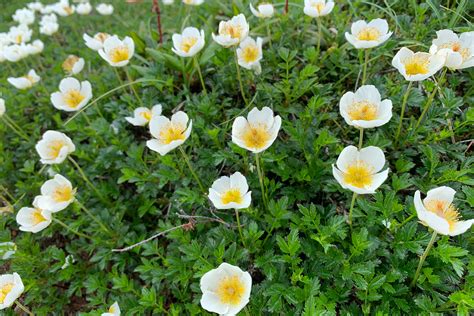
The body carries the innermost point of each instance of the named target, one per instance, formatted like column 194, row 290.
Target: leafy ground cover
column 303, row 256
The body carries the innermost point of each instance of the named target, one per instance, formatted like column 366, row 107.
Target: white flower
column 258, row 131
column 56, row 194
column 36, row 47
column 368, row 35
column 54, row 147
column 105, row 9
column 168, row 2
column 225, row 290
column 11, row 288
column 232, row 32
column 7, row 250
column 264, row 10
column 49, row 28
column 249, row 54
column 35, row 6
column 458, row 50
column 116, row 52
column 189, row 43
column 169, row 134
column 20, row 34
column 73, row 65
column 230, row 192
column 14, row 53
column 438, row 212
column 25, row 82
column 364, row 108
column 33, row 219
column 417, row 66
column 193, row 2
column 359, row 170
column 97, row 42
column 72, row 95
column 84, row 8
column 49, row 18
column 2, row 107
column 24, row 16
column 114, row 310
column 48, row 9
column 142, row 116
column 63, row 8
column 318, row 8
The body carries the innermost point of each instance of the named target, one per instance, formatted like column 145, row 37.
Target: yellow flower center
column 4, row 291
column 63, row 194
column 55, row 147
column 445, row 210
column 188, row 43
column 256, row 136
column 146, row 115
column 230, row 290
column 69, row 63
column 369, row 34
column 37, row 217
column 19, row 38
column 358, row 174
column 112, row 309
column 250, row 53
column 456, row 47
column 101, row 37
column 416, row 65
column 319, row 6
column 73, row 98
column 232, row 195
column 171, row 133
column 30, row 79
column 119, row 53
column 363, row 110
column 234, row 31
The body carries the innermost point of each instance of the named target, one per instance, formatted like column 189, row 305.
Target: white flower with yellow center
column 114, row 310
column 84, row 8
column 258, row 131
column 188, row 43
column 142, row 115
column 14, row 53
column 417, row 66
column 263, row 10
column 438, row 212
column 458, row 50
column 20, row 34
column 56, row 194
column 193, row 2
column 225, row 290
column 11, row 288
column 359, row 170
column 2, row 107
column 36, row 47
column 318, row 8
column 117, row 52
column 24, row 16
column 73, row 65
column 232, row 32
column 169, row 134
column 54, row 147
column 35, row 6
column 368, row 35
column 25, row 82
column 72, row 95
column 49, row 28
column 97, row 42
column 249, row 54
column 230, row 192
column 33, row 219
column 364, row 108
column 105, row 9
column 63, row 8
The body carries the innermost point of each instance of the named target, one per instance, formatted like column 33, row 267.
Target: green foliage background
column 302, row 256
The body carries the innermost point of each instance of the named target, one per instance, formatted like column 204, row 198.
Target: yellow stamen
column 19, row 38
column 37, row 217
column 112, row 309
column 456, row 47
column 101, row 37
column 4, row 291
column 416, row 65
column 171, row 133
column 69, row 63
column 55, row 147
column 256, row 136
column 319, row 6
column 362, row 110
column 234, row 31
column 30, row 79
column 445, row 210
column 250, row 53
column 369, row 34
column 119, row 53
column 68, row 10
column 63, row 194
column 73, row 98
column 359, row 174
column 230, row 290
column 146, row 115
column 187, row 43
column 232, row 195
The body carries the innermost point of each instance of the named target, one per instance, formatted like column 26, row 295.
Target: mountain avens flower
column 56, row 194
column 230, row 192
column 188, row 43
column 97, row 42
column 458, row 50
column 417, row 66
column 249, row 54
column 25, row 82
column 367, row 35
column 11, row 288
column 117, row 52
column 232, row 32
column 33, row 219
column 113, row 310
column 72, row 95
column 318, row 8
column 105, row 9
column 54, row 147
column 264, row 10
column 169, row 134
column 73, row 65
column 142, row 116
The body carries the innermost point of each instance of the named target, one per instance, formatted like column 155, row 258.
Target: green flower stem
column 361, row 137
column 132, row 86
column 423, row 257
column 98, row 221
column 24, row 308
column 198, row 68
column 19, row 133
column 13, row 123
column 70, row 229
column 89, row 183
column 320, row 35
column 239, row 227
column 118, row 77
column 188, row 162
column 404, row 103
column 354, row 196
column 364, row 71
column 269, row 34
column 261, row 180
column 430, row 99
column 239, row 77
